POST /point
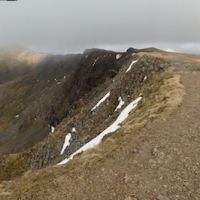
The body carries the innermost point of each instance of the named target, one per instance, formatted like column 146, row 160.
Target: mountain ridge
column 101, row 79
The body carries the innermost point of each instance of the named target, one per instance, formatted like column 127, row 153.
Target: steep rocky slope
column 97, row 84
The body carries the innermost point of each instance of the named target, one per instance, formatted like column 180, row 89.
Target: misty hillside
column 16, row 63
column 100, row 118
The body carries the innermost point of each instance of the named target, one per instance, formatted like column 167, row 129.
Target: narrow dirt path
column 162, row 164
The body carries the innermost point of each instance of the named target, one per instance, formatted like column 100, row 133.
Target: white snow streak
column 112, row 128
column 95, row 61
column 121, row 103
column 118, row 56
column 130, row 67
column 73, row 130
column 145, row 78
column 52, row 129
column 101, row 101
column 66, row 143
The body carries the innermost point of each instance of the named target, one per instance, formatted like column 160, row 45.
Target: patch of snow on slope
column 121, row 103
column 101, row 101
column 52, row 129
column 73, row 130
column 66, row 143
column 95, row 61
column 131, row 65
column 118, row 56
column 112, row 128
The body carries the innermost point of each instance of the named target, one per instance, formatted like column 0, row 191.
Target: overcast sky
column 73, row 25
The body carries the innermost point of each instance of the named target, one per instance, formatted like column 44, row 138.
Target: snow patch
column 95, row 61
column 66, row 143
column 73, row 130
column 118, row 56
column 121, row 103
column 131, row 65
column 112, row 128
column 52, row 129
column 101, row 101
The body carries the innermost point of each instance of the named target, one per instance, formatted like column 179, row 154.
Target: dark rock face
column 131, row 50
column 96, row 66
column 89, row 124
column 56, row 67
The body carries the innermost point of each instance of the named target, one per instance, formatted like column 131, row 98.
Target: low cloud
column 72, row 25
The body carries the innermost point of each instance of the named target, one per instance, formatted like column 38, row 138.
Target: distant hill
column 17, row 62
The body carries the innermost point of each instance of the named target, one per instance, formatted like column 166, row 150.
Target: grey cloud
column 73, row 25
